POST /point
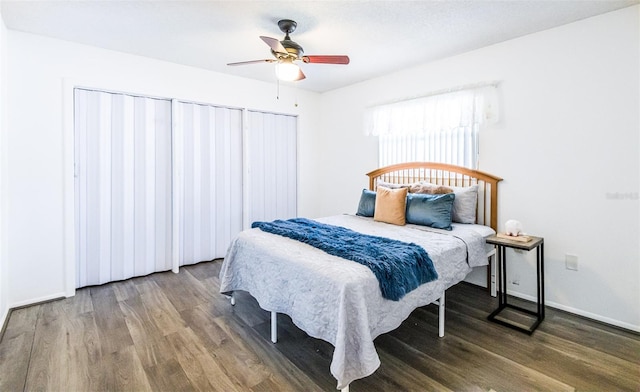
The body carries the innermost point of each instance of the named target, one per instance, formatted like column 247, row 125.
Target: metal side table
column 501, row 245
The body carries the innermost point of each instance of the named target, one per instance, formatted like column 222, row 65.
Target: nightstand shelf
column 501, row 245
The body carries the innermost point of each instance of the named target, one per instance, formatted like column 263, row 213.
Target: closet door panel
column 161, row 184
column 210, row 209
column 123, row 186
column 272, row 157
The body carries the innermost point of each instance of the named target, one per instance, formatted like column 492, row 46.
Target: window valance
column 434, row 113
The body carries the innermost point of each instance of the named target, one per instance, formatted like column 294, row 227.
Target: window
column 436, row 128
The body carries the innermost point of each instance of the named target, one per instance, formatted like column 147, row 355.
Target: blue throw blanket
column 399, row 266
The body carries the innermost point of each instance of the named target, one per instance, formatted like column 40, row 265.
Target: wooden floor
column 174, row 332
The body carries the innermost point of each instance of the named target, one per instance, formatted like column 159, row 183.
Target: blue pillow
column 430, row 210
column 367, row 204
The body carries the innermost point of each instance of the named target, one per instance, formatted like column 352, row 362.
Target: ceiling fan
column 286, row 52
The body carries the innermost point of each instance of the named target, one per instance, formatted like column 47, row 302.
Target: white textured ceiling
column 379, row 36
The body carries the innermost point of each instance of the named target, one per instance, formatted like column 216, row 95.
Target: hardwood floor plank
column 169, row 376
column 204, row 373
column 604, row 338
column 175, row 332
column 22, row 320
column 59, row 342
column 124, row 290
column 250, row 312
column 584, row 366
column 78, row 304
column 456, row 351
column 285, row 371
column 477, row 297
column 15, row 348
column 427, row 365
column 161, row 311
column 183, row 291
column 218, row 305
column 14, row 361
column 213, row 336
column 203, row 271
column 258, row 358
column 269, row 385
column 148, row 338
column 201, row 320
column 245, row 365
column 310, row 355
column 588, row 365
column 126, row 371
column 83, row 347
column 395, row 375
column 46, row 347
column 112, row 328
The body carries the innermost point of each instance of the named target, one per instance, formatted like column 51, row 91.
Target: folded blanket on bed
column 399, row 266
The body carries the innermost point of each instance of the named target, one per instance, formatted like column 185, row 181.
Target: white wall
column 567, row 143
column 4, row 307
column 39, row 140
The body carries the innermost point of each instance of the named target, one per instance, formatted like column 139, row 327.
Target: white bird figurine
column 513, row 227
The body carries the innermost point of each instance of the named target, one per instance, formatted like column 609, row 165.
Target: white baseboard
column 35, row 301
column 569, row 309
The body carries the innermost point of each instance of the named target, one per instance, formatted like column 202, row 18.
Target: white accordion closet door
column 208, row 180
column 272, row 159
column 122, row 186
column 161, row 183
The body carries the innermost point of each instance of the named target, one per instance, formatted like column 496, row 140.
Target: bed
column 340, row 301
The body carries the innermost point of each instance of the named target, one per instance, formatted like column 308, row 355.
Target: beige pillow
column 390, row 185
column 430, row 189
column 390, row 205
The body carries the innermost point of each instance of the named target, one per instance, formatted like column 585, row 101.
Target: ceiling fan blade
column 274, row 44
column 326, row 59
column 300, row 75
column 253, row 62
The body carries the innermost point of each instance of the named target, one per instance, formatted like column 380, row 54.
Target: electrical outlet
column 571, row 262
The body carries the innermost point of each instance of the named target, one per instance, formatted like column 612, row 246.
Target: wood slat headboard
column 448, row 175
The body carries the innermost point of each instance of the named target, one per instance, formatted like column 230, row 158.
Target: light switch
column 571, row 262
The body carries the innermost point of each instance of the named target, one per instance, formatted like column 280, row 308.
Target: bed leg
column 441, row 316
column 233, row 299
column 274, row 327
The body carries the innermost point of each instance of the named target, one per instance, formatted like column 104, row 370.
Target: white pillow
column 465, row 203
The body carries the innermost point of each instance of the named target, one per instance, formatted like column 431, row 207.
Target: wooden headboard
column 448, row 175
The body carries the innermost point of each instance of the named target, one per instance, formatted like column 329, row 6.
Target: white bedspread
column 338, row 300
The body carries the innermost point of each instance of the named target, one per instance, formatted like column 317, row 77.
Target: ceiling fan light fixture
column 287, row 71
column 287, row 52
